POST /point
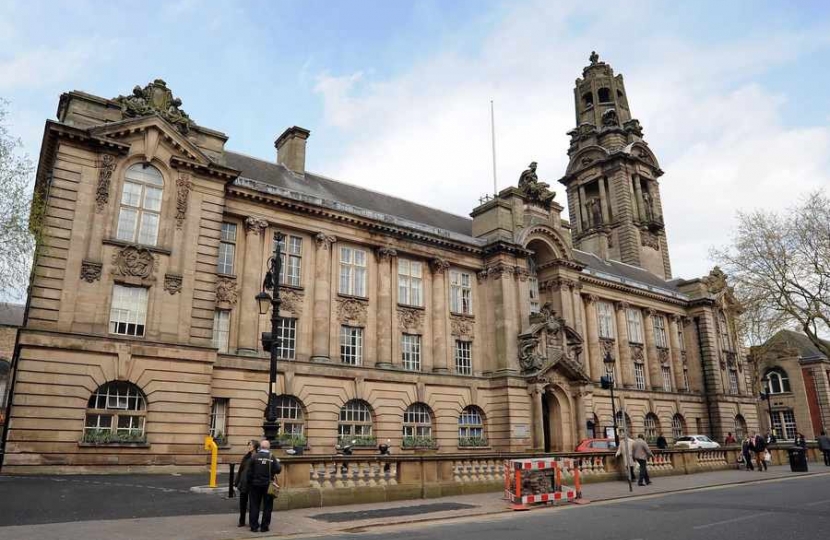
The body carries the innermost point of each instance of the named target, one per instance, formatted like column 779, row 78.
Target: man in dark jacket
column 262, row 469
column 241, row 482
column 759, row 446
column 824, row 447
column 662, row 444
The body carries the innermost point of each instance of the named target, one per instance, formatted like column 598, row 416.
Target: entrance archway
column 557, row 420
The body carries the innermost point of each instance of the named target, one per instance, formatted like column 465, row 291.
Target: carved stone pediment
column 462, row 326
column 664, row 356
column 351, row 311
column 135, row 262
column 410, row 318
column 291, row 301
column 226, row 291
column 550, row 344
column 155, row 98
column 637, row 355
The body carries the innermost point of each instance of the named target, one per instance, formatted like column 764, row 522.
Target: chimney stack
column 291, row 148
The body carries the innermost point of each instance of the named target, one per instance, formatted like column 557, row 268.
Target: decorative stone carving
column 591, row 298
column 183, row 185
column 586, row 160
column 683, row 358
column 351, row 311
column 608, row 347
column 609, row 118
column 535, row 191
column 633, row 126
column 594, row 58
column 621, row 306
column 324, row 241
column 90, row 271
column 172, row 283
column 548, row 343
column 410, row 318
column 650, row 312
column 500, row 270
column 481, row 276
column 439, row 266
column 462, row 326
column 649, row 239
column 637, row 353
column 135, row 262
column 255, row 224
column 226, row 290
column 386, row 254
column 106, row 165
column 155, row 98
column 715, row 281
column 664, row 355
column 522, row 274
column 291, row 301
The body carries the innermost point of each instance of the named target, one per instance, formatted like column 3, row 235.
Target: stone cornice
column 632, row 290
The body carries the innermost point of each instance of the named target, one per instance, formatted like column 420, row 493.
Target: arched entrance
column 557, row 421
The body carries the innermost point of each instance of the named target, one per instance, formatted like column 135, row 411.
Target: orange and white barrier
column 515, row 469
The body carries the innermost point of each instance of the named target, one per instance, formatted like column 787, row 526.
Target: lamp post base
column 270, row 430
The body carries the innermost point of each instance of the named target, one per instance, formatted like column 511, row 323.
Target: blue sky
column 732, row 95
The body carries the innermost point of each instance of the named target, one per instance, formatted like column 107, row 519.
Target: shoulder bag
column 273, row 486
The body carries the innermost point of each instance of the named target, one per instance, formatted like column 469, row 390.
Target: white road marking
column 733, row 520
column 816, row 503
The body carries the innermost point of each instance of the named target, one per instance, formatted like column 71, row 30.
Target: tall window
column 686, row 386
column 635, row 325
column 138, row 215
column 128, row 313
column 219, row 418
column 733, row 381
column 417, row 421
column 640, row 375
column 461, row 292
column 221, row 329
column 115, row 412
column 290, row 415
column 463, row 357
column 291, row 257
column 651, row 426
column 784, row 424
column 678, row 426
column 227, row 249
column 471, row 427
column 680, row 337
column 605, row 320
column 533, row 286
column 660, row 338
column 411, row 352
column 287, row 333
column 740, row 428
column 778, row 381
column 355, row 421
column 352, row 271
column 725, row 342
column 665, row 371
column 410, row 283
column 351, row 345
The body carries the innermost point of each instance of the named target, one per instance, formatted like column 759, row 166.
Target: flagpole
column 493, row 138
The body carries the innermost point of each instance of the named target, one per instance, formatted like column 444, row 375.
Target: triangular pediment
column 165, row 133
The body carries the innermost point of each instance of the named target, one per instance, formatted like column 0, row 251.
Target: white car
column 695, row 442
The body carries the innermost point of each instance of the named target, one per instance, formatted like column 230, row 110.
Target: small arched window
column 533, row 285
column 651, row 426
column 777, row 381
column 290, row 419
column 417, row 426
column 604, row 95
column 628, row 425
column 740, row 428
column 471, row 427
column 588, row 99
column 140, row 206
column 678, row 426
column 115, row 413
column 356, row 423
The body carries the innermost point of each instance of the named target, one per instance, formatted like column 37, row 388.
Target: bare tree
column 17, row 241
column 780, row 265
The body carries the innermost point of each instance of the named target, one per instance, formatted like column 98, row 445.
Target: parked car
column 596, row 445
column 694, row 442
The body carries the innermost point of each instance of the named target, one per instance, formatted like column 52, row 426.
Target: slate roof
column 332, row 190
column 11, row 314
column 627, row 274
column 806, row 348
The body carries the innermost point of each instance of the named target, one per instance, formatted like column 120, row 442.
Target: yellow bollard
column 210, row 444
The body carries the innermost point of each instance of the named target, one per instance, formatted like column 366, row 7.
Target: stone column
column 676, row 359
column 385, row 314
column 638, row 193
column 582, row 210
column 251, row 277
column 564, row 291
column 603, row 199
column 536, row 391
column 655, row 378
column 440, row 363
column 577, row 305
column 321, row 311
column 581, row 414
column 626, row 367
column 594, row 354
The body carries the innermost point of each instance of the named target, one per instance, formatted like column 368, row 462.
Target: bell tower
column 611, row 179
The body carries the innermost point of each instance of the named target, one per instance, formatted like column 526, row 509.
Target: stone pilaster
column 577, row 305
column 676, row 358
column 440, row 360
column 385, row 313
column 626, row 366
column 536, row 391
column 581, row 415
column 603, row 198
column 652, row 358
column 251, row 284
column 594, row 354
column 321, row 311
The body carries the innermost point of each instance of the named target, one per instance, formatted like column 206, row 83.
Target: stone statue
column 594, row 208
column 155, row 98
column 648, row 204
column 594, row 58
column 535, row 191
column 529, row 357
column 609, row 118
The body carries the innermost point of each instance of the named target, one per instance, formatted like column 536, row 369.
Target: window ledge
column 353, row 297
column 410, row 306
column 465, row 315
column 292, row 287
column 123, row 243
column 82, row 444
column 227, row 276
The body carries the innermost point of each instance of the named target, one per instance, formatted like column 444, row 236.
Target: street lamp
column 271, row 340
column 607, row 383
column 764, row 396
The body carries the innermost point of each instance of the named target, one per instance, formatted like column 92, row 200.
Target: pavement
column 138, row 507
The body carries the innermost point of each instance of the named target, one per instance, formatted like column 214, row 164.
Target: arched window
column 533, row 285
column 140, row 206
column 678, row 426
column 740, row 428
column 417, row 426
column 651, row 426
column 290, row 420
column 604, row 95
column 356, row 423
column 115, row 413
column 629, row 426
column 588, row 99
column 471, row 427
column 725, row 342
column 777, row 381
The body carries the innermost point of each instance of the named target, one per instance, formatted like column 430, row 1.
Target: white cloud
column 425, row 134
column 46, row 67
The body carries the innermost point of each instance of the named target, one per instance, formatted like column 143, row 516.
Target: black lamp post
column 764, row 396
column 271, row 340
column 607, row 383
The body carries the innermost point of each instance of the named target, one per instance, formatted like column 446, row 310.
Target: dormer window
column 138, row 216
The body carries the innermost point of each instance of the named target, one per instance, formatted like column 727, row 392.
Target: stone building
column 398, row 321
column 796, row 375
column 11, row 318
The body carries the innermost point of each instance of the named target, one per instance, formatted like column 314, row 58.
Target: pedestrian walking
column 241, row 481
column 759, row 447
column 662, row 444
column 730, row 439
column 746, row 452
column 262, row 471
column 641, row 453
column 630, row 442
column 771, row 438
column 824, row 446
